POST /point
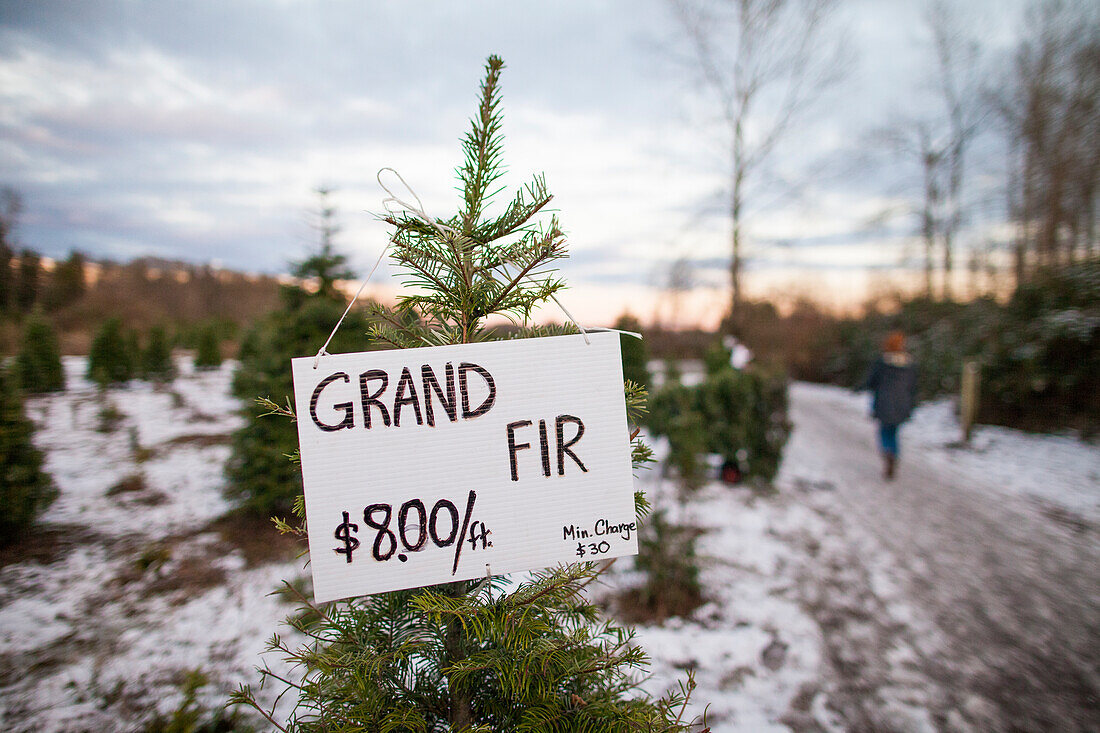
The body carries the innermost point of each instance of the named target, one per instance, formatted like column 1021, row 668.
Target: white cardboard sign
column 423, row 466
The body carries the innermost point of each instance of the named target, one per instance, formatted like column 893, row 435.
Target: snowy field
column 1059, row 470
column 137, row 581
column 98, row 632
column 778, row 566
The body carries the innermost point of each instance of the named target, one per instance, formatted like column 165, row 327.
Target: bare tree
column 931, row 160
column 1051, row 107
column 936, row 139
column 913, row 141
column 963, row 109
column 678, row 280
column 765, row 61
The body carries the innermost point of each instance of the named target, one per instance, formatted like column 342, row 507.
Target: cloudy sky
column 198, row 129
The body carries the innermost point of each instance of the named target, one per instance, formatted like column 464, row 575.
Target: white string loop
column 419, row 212
column 568, row 315
column 617, row 330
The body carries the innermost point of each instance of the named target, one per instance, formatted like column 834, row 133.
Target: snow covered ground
column 782, row 567
column 1056, row 469
column 98, row 631
column 752, row 647
column 136, row 583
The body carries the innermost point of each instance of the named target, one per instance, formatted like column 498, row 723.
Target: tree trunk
column 954, row 203
column 461, row 713
column 454, row 640
column 948, row 266
column 735, row 258
column 736, row 202
column 928, row 221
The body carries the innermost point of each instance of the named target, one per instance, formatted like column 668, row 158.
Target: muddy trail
column 978, row 608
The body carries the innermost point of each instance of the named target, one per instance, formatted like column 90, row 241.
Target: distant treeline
column 1039, row 350
column 78, row 293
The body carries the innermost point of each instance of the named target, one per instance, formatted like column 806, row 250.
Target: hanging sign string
column 443, row 229
column 558, row 303
column 568, row 315
column 418, row 211
column 322, row 352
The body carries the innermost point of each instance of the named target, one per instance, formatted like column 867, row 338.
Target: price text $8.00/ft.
column 412, row 528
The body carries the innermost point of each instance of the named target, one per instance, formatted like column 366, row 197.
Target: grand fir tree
column 25, row 489
column 488, row 655
column 261, row 480
column 38, row 365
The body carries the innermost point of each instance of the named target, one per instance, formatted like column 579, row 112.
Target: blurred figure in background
column 893, row 385
column 740, row 356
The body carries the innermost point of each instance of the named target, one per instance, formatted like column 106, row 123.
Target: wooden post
column 968, row 399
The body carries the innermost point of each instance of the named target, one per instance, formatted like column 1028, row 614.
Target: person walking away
column 893, row 385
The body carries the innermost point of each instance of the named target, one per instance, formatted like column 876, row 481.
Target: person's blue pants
column 888, row 439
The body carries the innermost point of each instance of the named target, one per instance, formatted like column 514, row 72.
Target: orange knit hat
column 895, row 341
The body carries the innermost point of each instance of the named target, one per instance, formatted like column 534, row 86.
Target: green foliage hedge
column 25, row 490
column 1042, row 368
column 1039, row 352
column 739, row 414
column 38, row 365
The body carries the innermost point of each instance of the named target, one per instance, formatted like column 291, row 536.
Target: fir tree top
column 326, row 265
column 468, row 267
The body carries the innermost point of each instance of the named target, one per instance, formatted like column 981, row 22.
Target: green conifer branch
column 483, row 148
column 473, row 656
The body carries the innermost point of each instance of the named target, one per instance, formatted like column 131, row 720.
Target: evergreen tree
column 635, row 354
column 745, row 411
column 26, row 291
column 111, row 358
column 471, row 656
column 67, row 282
column 261, row 480
column 132, row 344
column 156, row 359
column 38, row 366
column 326, row 265
column 667, row 556
column 739, row 414
column 208, row 353
column 6, row 279
column 11, row 204
column 25, row 491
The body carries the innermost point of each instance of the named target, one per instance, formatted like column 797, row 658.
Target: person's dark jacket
column 893, row 383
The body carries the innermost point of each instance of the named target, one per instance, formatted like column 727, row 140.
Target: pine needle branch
column 474, row 656
column 482, row 147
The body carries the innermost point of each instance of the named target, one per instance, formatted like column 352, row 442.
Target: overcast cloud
column 197, row 130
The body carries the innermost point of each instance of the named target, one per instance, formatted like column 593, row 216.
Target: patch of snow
column 29, row 623
column 109, row 637
column 1062, row 470
column 751, row 646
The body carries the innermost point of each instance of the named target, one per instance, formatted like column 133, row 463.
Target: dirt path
column 948, row 595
